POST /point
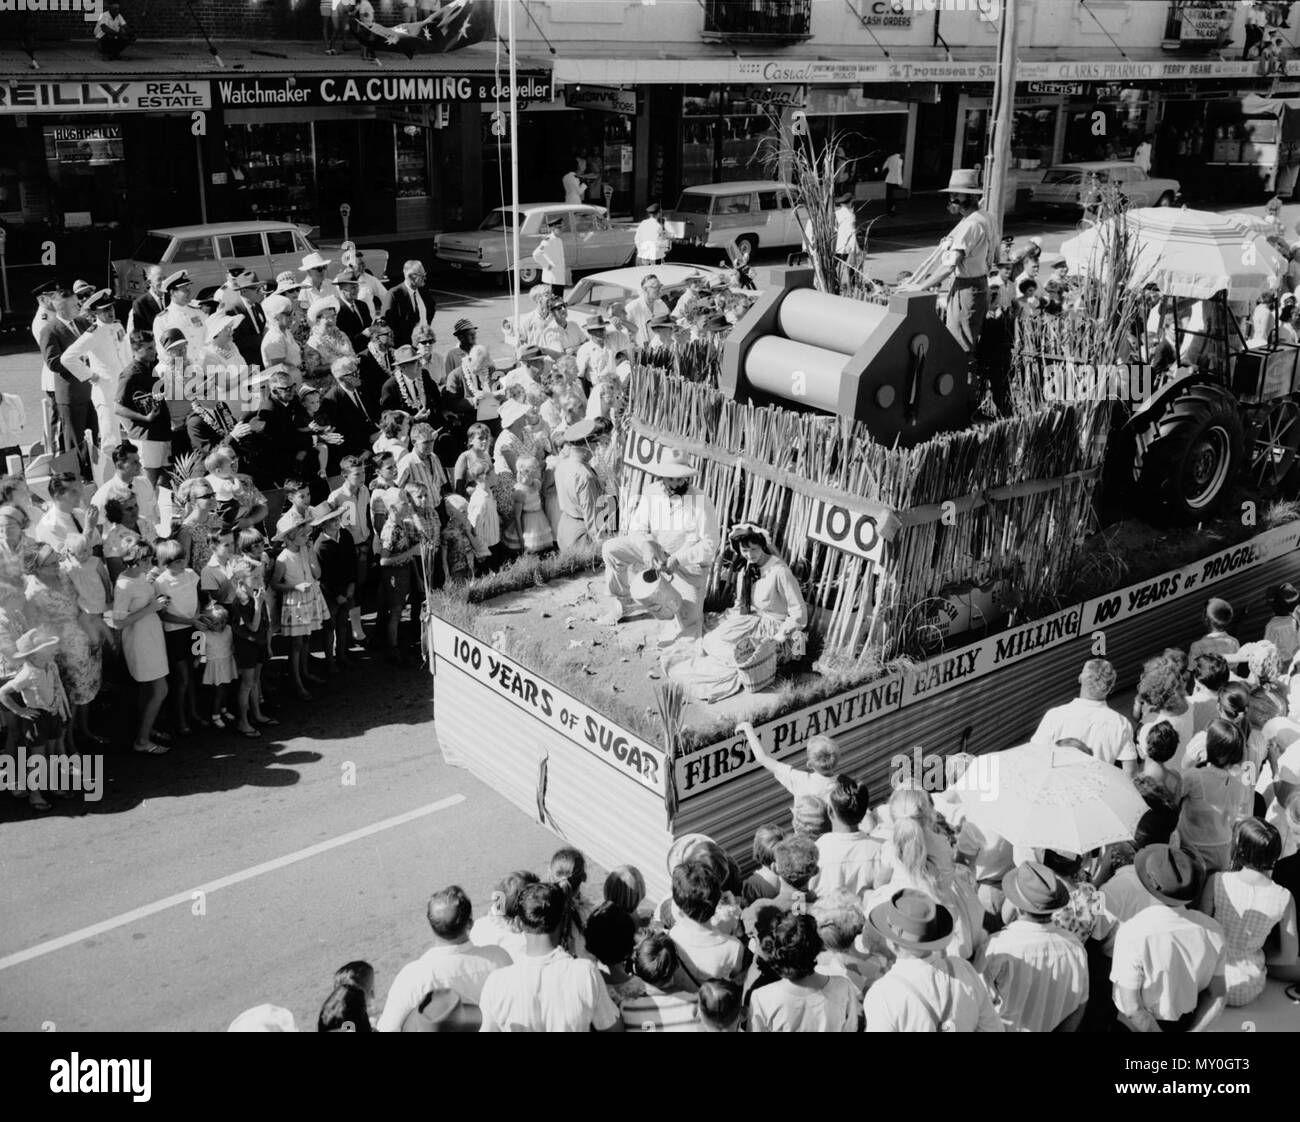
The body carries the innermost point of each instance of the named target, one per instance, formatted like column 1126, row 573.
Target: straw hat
column 220, row 322
column 675, row 463
column 286, row 282
column 325, row 513
column 314, row 261
column 964, row 181
column 291, row 520
column 911, row 919
column 321, row 304
column 33, row 642
column 276, row 305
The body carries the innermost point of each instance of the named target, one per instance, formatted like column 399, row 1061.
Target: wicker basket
column 757, row 671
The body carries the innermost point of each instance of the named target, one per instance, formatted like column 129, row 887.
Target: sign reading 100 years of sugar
column 565, row 714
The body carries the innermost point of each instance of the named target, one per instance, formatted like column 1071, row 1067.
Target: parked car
column 205, row 252
column 1064, row 185
column 755, row 213
column 591, row 240
column 587, row 297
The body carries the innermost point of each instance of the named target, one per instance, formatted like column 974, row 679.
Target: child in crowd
column 479, row 440
column 361, row 975
column 1218, row 618
column 345, row 1010
column 810, row 819
column 298, row 497
column 250, row 626
column 720, row 1009
column 763, row 883
column 483, row 517
column 500, row 927
column 90, row 580
column 214, row 580
column 535, row 528
column 625, row 889
column 136, row 607
column 179, row 620
column 383, row 493
column 460, row 545
column 354, row 497
column 394, row 434
column 840, row 921
column 302, row 606
column 121, row 530
column 218, row 659
column 1209, row 676
column 336, row 558
column 1161, row 746
column 1283, row 630
column 36, row 695
column 611, row 938
column 568, row 869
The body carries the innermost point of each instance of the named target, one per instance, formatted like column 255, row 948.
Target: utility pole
column 997, row 160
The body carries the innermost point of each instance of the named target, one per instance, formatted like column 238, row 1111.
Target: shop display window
column 86, row 172
column 272, row 170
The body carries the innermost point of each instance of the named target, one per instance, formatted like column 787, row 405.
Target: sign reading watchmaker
column 386, row 90
column 103, row 97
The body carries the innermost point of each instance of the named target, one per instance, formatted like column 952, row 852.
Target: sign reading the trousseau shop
column 103, row 97
column 376, row 90
column 566, row 715
column 892, row 70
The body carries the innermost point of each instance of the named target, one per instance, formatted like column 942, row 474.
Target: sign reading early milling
column 561, row 712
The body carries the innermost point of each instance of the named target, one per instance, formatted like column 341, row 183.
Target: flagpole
column 514, row 161
column 998, row 156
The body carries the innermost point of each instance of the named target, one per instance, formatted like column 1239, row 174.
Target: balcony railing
column 758, row 21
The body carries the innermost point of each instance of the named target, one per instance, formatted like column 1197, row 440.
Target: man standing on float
column 967, row 258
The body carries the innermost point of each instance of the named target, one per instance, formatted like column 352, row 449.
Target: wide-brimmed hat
column 33, row 642
column 320, row 305
column 178, row 279
column 580, row 431
column 221, row 321
column 512, row 411
column 326, row 513
column 286, row 282
column 405, row 355
column 172, row 336
column 964, row 181
column 596, row 323
column 1172, row 876
column 911, row 919
column 276, row 305
column 741, row 529
column 1034, row 889
column 314, row 261
column 675, row 463
column 291, row 520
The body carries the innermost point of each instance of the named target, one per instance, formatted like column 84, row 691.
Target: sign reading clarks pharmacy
column 376, row 90
column 103, row 97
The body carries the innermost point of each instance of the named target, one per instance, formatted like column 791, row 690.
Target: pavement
column 231, row 872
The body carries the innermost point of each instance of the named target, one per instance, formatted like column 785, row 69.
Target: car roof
column 1089, row 165
column 529, row 207
column 735, row 188
column 630, row 276
column 213, row 228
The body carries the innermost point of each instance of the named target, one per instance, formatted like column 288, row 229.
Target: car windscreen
column 1063, row 175
column 151, row 249
column 498, row 219
column 691, row 203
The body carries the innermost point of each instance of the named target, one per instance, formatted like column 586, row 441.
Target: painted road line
column 187, row 897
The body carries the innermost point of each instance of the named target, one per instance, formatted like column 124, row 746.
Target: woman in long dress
column 769, row 608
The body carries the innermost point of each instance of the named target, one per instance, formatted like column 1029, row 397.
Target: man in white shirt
column 111, row 31
column 452, row 962
column 103, row 349
column 1089, row 719
column 1037, row 974
column 598, row 356
column 675, row 530
column 183, row 316
column 702, row 950
column 47, row 294
column 968, row 254
column 651, row 238
column 1168, row 967
column 846, row 227
column 558, row 334
column 128, row 479
column 574, row 188
column 925, row 990
column 646, row 307
column 846, row 857
column 550, row 255
column 893, row 168
column 546, row 989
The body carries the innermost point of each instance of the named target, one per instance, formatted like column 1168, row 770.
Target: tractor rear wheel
column 1275, row 444
column 1188, row 460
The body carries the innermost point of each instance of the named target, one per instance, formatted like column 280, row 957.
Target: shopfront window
column 87, row 173
column 726, row 135
column 272, row 170
column 415, row 200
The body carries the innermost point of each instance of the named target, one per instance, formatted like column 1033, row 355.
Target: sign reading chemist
column 397, row 89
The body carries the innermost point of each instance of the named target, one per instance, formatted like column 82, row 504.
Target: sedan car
column 591, row 240
column 1065, row 185
column 206, row 252
column 590, row 294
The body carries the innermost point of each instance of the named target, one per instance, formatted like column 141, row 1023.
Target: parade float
column 957, row 567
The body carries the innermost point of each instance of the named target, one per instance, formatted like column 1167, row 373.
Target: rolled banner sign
column 656, row 594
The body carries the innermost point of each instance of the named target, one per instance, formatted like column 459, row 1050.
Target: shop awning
column 1285, row 108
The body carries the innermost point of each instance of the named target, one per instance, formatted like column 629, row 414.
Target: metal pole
column 203, row 194
column 514, row 164
column 998, row 158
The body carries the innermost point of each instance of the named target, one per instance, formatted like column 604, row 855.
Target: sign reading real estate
column 103, row 97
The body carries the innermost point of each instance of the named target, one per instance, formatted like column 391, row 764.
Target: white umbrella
column 1050, row 798
column 1187, row 253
